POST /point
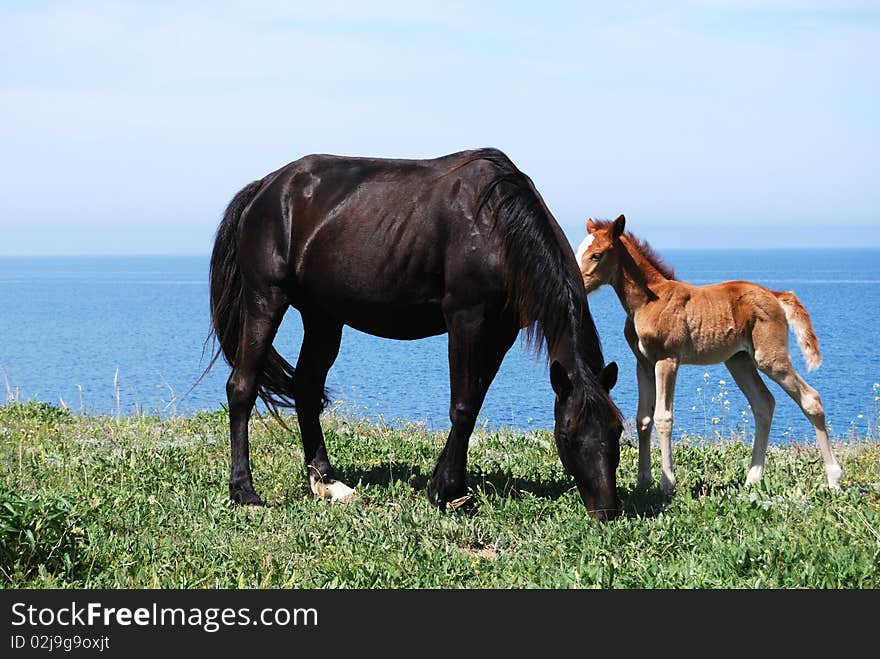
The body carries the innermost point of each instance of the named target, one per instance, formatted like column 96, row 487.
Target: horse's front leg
column 477, row 346
column 665, row 371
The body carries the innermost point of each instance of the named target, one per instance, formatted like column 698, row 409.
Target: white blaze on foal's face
column 582, row 249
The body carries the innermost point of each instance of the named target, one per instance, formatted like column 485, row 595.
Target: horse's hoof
column 246, row 498
column 434, row 497
column 334, row 491
column 444, row 499
column 464, row 503
column 667, row 484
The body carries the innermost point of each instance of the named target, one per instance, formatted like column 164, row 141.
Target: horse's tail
column 275, row 382
column 799, row 321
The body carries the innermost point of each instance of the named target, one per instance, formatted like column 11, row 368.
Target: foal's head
column 598, row 256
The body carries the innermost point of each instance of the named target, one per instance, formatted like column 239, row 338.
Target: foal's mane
column 546, row 288
column 651, row 256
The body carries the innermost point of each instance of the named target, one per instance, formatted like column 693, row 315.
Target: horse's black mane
column 546, row 287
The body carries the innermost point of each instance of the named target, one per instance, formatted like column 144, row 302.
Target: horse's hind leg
column 745, row 374
column 476, row 350
column 808, row 400
column 319, row 349
column 262, row 315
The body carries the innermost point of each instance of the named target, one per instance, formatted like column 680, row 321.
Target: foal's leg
column 808, row 400
column 262, row 315
column 742, row 368
column 647, row 397
column 476, row 350
column 665, row 371
column 320, row 346
column 645, row 419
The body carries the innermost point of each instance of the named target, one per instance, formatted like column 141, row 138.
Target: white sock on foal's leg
column 754, row 475
column 833, row 472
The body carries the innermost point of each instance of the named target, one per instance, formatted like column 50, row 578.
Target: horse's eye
column 596, row 256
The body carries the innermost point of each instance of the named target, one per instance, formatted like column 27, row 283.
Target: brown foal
column 671, row 322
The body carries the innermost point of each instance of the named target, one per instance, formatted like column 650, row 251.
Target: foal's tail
column 799, row 321
column 275, row 382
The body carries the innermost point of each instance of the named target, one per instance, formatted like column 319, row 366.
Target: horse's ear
column 560, row 381
column 591, row 225
column 608, row 376
column 619, row 226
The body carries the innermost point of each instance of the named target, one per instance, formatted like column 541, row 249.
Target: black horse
column 407, row 249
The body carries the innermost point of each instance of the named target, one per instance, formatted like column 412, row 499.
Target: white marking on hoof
column 335, row 492
column 834, row 472
column 754, row 476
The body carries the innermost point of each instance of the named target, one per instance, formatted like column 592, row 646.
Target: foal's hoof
column 754, row 476
column 245, row 497
column 834, row 473
column 332, row 490
column 667, row 484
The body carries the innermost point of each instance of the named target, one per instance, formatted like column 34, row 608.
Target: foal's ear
column 560, row 381
column 591, row 225
column 619, row 226
column 608, row 376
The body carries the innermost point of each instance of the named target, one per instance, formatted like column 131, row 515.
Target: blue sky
column 126, row 127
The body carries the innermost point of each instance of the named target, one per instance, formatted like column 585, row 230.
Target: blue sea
column 120, row 335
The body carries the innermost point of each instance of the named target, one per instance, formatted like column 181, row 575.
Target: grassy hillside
column 141, row 502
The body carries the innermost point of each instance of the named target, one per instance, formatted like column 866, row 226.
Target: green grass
column 141, row 502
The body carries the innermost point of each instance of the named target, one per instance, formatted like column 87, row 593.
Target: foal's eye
column 596, row 256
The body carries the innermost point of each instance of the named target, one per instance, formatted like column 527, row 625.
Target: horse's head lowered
column 598, row 256
column 587, row 434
